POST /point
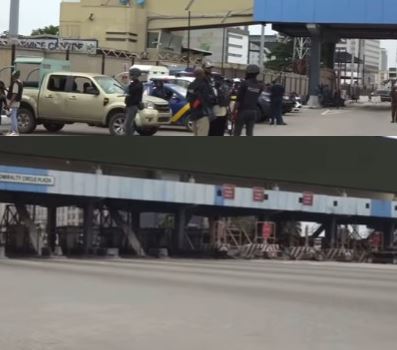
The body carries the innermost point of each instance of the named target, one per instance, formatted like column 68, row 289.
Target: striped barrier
column 339, row 254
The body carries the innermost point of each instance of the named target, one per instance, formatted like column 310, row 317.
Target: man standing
column 199, row 96
column 246, row 107
column 221, row 101
column 14, row 98
column 277, row 93
column 133, row 101
column 394, row 104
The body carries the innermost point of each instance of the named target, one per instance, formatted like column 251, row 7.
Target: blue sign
column 375, row 12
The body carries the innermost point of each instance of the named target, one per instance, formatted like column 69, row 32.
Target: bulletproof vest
column 19, row 94
column 254, row 89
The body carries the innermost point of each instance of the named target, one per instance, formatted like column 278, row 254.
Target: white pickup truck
column 69, row 97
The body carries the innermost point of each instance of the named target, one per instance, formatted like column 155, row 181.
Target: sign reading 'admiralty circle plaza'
column 27, row 179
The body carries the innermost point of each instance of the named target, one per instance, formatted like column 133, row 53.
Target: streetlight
column 190, row 4
column 14, row 27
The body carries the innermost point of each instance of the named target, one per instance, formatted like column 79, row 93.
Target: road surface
column 196, row 305
column 363, row 119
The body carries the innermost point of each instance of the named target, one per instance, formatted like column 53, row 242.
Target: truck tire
column 116, row 124
column 147, row 131
column 26, row 121
column 54, row 127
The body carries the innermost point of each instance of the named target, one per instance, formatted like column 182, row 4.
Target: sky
column 39, row 13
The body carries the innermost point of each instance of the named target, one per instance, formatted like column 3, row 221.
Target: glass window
column 81, row 85
column 109, row 85
column 57, row 83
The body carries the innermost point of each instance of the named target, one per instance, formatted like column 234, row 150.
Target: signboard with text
column 27, row 179
column 308, row 199
column 48, row 44
column 229, row 191
column 258, row 194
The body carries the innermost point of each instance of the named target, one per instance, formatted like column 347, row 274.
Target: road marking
column 326, row 112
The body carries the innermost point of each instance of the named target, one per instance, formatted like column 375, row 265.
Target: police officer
column 246, row 108
column 199, row 95
column 133, row 101
column 220, row 97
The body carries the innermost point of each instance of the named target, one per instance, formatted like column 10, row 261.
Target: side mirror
column 92, row 91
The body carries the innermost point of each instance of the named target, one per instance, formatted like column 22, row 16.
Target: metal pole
column 262, row 53
column 188, row 37
column 223, row 51
column 13, row 28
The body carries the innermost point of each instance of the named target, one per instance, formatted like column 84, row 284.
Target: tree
column 50, row 30
column 280, row 58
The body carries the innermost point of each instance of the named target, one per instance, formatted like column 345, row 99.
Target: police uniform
column 247, row 100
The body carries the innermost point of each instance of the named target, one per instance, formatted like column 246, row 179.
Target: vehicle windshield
column 109, row 85
column 178, row 89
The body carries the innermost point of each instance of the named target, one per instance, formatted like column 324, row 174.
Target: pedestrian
column 201, row 99
column 246, row 108
column 221, row 96
column 3, row 99
column 276, row 101
column 14, row 98
column 393, row 96
column 133, row 101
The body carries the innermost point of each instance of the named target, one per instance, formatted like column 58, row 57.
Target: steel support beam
column 88, row 227
column 331, row 232
column 128, row 231
column 51, row 227
column 388, row 234
column 34, row 234
column 180, row 229
column 315, row 66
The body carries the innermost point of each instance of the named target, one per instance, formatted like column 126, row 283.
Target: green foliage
column 280, row 58
column 51, row 30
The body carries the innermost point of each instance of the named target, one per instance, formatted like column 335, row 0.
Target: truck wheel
column 26, row 121
column 53, row 127
column 147, row 131
column 116, row 124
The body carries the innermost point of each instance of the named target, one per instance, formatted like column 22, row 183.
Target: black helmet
column 253, row 69
column 135, row 72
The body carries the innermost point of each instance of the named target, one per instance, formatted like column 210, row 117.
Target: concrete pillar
column 180, row 227
column 388, row 234
column 136, row 220
column 88, row 227
column 51, row 227
column 315, row 69
column 330, row 232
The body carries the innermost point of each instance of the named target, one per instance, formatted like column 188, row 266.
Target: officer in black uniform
column 246, row 107
column 133, row 101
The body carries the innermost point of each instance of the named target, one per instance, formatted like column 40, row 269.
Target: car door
column 83, row 102
column 52, row 98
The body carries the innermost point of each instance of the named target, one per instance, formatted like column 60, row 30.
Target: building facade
column 367, row 54
column 130, row 26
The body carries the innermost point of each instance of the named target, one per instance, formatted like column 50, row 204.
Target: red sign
column 267, row 230
column 308, row 199
column 376, row 240
column 229, row 191
column 258, row 194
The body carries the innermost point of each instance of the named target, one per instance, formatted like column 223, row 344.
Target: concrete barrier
column 3, row 253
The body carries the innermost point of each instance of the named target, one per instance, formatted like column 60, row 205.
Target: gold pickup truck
column 98, row 100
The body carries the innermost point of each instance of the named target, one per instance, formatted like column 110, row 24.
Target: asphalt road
column 196, row 305
column 363, row 119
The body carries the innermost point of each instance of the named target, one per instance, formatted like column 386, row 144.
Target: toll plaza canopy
column 342, row 18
